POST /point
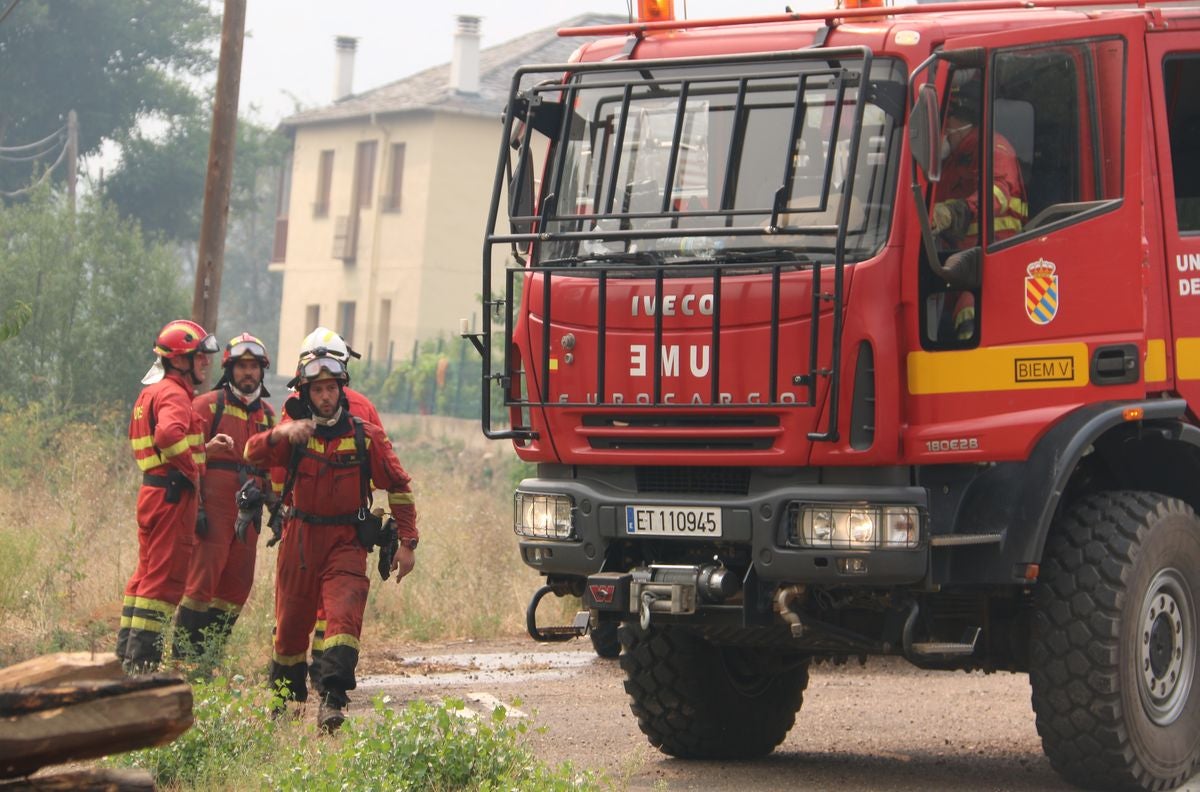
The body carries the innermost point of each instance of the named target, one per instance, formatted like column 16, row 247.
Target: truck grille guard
column 531, row 108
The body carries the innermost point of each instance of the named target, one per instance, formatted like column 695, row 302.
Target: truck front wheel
column 698, row 700
column 1114, row 642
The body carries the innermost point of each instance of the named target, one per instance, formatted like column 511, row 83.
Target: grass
column 68, row 544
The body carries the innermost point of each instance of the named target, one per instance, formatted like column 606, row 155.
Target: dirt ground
column 886, row 726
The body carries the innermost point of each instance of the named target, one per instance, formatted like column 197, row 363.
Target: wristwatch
column 409, row 541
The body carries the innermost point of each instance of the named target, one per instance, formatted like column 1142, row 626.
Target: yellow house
column 382, row 210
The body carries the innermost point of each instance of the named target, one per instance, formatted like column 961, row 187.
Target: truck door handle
column 1116, row 364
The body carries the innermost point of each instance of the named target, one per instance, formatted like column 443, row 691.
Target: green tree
column 161, row 183
column 98, row 294
column 115, row 62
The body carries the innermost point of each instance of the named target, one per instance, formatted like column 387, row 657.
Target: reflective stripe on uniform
column 194, row 604
column 400, row 499
column 176, row 449
column 140, row 443
column 341, row 640
column 226, row 607
column 147, row 624
column 231, row 410
column 289, row 660
column 150, row 462
column 160, row 606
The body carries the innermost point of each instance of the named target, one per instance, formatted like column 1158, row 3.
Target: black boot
column 190, row 627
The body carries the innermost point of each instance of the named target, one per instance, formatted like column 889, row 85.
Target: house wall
column 422, row 259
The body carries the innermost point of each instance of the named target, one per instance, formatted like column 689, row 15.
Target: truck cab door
column 1173, row 68
column 1046, row 194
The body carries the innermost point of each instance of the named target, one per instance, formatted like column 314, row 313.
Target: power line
column 8, row 10
column 28, row 146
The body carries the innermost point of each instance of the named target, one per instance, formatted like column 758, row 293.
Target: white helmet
column 323, row 338
column 323, row 344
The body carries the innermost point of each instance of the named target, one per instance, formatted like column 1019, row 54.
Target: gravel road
column 886, row 726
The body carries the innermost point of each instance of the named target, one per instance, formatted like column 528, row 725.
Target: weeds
column 235, row 744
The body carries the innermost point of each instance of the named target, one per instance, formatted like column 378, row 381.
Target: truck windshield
column 756, row 161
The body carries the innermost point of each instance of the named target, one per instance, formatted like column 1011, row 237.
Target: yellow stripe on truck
column 1020, row 367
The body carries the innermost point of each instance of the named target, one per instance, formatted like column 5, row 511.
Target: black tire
column 605, row 640
column 1113, row 647
column 697, row 700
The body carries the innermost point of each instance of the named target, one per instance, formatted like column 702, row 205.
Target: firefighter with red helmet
column 333, row 459
column 955, row 217
column 170, row 450
column 221, row 572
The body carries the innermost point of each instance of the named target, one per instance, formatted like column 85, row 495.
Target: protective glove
column 201, row 523
column 942, row 217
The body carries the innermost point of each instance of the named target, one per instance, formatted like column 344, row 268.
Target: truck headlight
column 854, row 526
column 540, row 516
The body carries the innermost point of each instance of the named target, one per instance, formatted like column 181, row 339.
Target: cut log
column 96, row 780
column 45, row 726
column 61, row 667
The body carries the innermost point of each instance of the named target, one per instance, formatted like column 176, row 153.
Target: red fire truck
column 873, row 331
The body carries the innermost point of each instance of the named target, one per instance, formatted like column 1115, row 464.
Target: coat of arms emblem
column 1041, row 292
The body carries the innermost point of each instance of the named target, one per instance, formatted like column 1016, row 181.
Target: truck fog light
column 853, row 526
column 852, row 566
column 541, row 516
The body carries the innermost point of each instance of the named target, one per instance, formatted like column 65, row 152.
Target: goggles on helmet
column 312, row 367
column 243, row 348
column 209, row 345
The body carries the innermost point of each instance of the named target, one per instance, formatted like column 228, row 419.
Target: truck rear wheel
column 1114, row 642
column 697, row 700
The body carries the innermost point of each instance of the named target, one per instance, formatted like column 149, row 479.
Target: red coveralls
column 168, row 444
column 321, row 562
column 221, row 572
column 360, row 406
column 959, row 187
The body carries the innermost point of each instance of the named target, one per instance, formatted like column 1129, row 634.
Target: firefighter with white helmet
column 333, row 458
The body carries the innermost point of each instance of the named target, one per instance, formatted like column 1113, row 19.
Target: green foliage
column 15, row 317
column 235, row 744
column 115, row 62
column 98, row 293
column 160, row 182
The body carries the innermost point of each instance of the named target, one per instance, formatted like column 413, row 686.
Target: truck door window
column 1058, row 108
column 1181, row 84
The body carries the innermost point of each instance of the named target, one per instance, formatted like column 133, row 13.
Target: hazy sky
column 288, row 55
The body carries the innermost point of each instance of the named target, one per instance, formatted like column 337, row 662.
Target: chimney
column 464, row 67
column 343, row 84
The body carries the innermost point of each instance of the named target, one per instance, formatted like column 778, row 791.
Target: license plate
column 672, row 521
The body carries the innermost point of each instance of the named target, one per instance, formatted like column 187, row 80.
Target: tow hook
column 678, row 589
column 576, row 629
column 783, row 606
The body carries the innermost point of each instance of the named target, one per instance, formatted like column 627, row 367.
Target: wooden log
column 142, row 717
column 60, row 667
column 93, row 780
column 21, row 701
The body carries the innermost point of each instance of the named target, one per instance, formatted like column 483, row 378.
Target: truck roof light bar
column 861, row 14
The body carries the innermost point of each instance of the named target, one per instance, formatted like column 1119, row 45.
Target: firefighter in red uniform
column 955, row 217
column 322, row 559
column 169, row 447
column 333, row 345
column 222, row 568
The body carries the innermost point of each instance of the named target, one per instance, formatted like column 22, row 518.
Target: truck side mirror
column 924, row 132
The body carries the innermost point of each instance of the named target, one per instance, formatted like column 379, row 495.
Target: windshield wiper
column 623, row 257
column 753, row 254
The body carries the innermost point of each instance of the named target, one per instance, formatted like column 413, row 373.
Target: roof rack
column 830, row 16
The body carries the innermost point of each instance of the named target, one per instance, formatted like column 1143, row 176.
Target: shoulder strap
column 364, row 474
column 220, row 411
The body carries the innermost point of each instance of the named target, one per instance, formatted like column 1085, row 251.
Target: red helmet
column 245, row 345
column 184, row 337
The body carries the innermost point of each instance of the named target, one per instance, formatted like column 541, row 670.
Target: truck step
column 964, row 647
column 960, row 540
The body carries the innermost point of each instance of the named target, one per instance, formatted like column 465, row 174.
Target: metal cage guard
column 793, row 66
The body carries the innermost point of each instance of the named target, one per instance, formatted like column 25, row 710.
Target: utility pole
column 72, row 156
column 211, row 253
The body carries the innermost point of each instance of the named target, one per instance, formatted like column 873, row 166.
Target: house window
column 282, row 199
column 346, row 321
column 364, row 174
column 312, row 318
column 391, row 198
column 382, row 332
column 324, row 184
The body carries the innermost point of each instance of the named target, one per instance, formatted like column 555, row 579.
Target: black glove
column 389, row 543
column 201, row 522
column 250, row 501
